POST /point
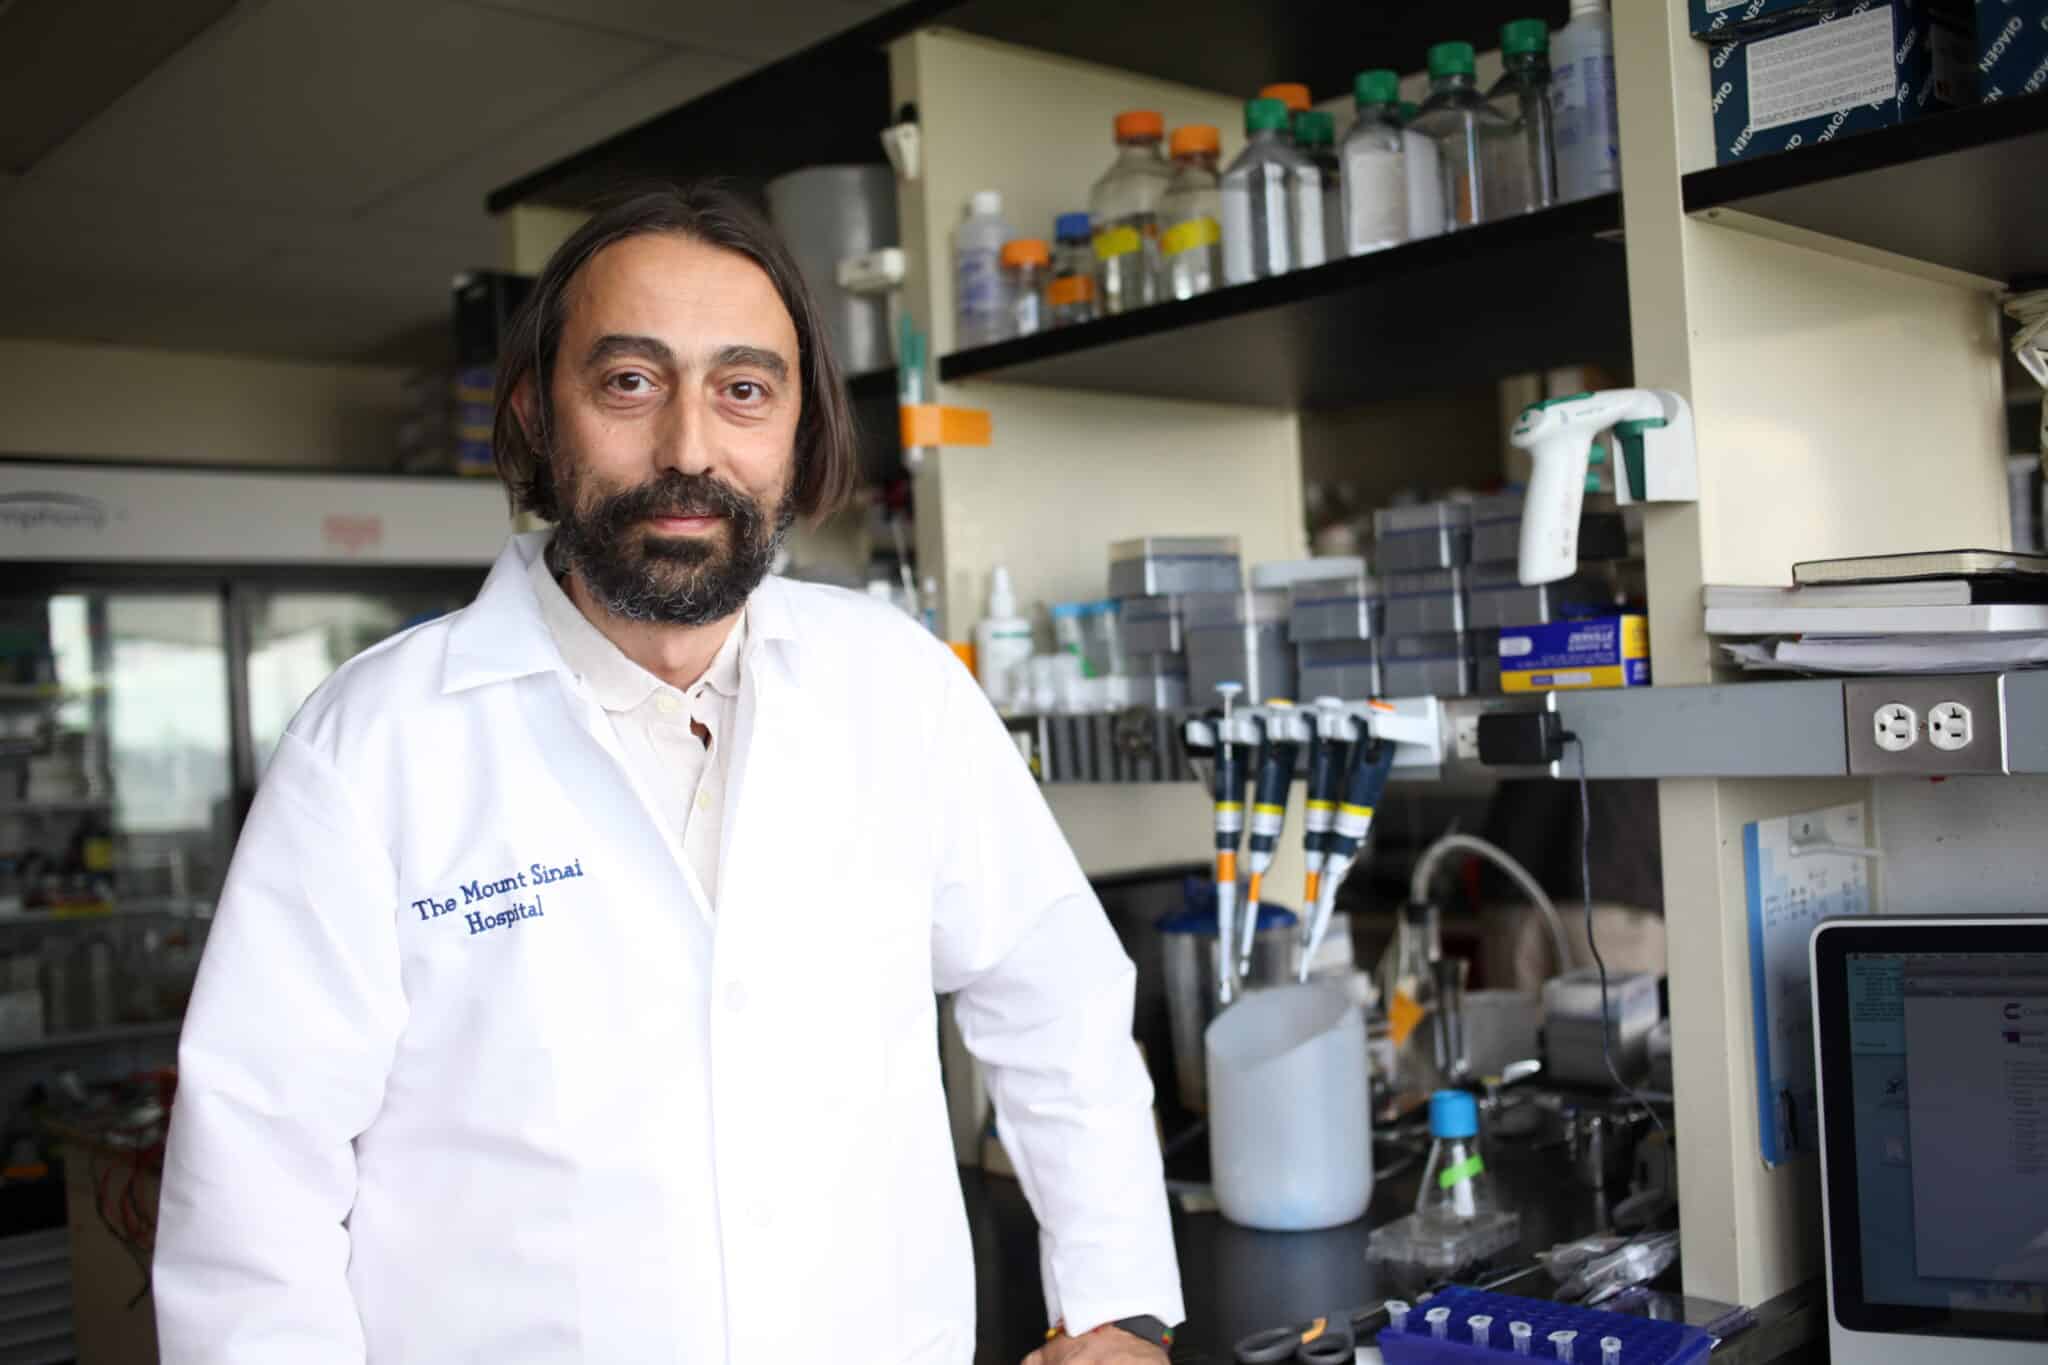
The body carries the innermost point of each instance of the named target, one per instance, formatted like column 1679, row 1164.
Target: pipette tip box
column 1644, row 1341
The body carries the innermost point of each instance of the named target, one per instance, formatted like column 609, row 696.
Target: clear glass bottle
column 979, row 312
column 1125, row 208
column 1425, row 177
column 1027, row 268
column 1261, row 191
column 1315, row 137
column 1523, row 176
column 1191, row 212
column 1456, row 1188
column 1070, row 297
column 1464, row 127
column 1375, row 176
column 1407, row 983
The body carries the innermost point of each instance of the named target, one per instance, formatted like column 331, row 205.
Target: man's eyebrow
column 614, row 345
column 759, row 356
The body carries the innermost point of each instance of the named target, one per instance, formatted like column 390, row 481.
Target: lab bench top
column 1237, row 1281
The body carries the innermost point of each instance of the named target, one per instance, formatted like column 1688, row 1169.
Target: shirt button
column 703, row 800
column 666, row 704
column 735, row 997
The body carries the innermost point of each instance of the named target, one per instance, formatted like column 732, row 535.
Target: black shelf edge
column 1542, row 290
column 1963, row 188
column 827, row 102
column 872, row 384
column 804, row 109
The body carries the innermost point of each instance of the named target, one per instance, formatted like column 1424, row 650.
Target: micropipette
column 1230, row 785
column 1278, row 744
column 1327, row 749
column 1371, row 760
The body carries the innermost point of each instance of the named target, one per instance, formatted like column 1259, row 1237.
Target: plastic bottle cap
column 1453, row 1114
column 1026, row 251
column 1002, row 598
column 1193, row 138
column 1265, row 116
column 1524, row 36
column 1450, row 59
column 1290, row 93
column 1314, row 128
column 1134, row 125
column 1376, row 87
column 986, row 203
column 1069, row 227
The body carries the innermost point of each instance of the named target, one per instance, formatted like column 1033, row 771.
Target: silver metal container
column 825, row 214
column 1153, row 566
column 1497, row 528
column 1152, row 625
column 1424, row 603
column 1345, row 669
column 1258, row 657
column 1433, row 535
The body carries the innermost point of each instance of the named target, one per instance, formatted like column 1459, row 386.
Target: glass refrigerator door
column 115, row 767
column 298, row 637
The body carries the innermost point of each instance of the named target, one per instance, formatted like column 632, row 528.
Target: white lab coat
column 626, row 1128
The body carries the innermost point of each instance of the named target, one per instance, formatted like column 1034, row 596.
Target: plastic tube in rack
column 1519, row 1332
column 1439, row 1320
column 1610, row 1351
column 1482, row 1329
column 1397, row 1315
column 1561, row 1342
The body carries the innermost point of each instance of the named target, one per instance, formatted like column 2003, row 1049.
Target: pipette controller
column 1658, row 463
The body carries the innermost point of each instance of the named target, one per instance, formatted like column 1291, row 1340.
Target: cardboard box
column 1841, row 71
column 2011, row 54
column 1603, row 651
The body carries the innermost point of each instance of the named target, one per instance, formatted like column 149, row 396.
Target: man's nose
column 686, row 441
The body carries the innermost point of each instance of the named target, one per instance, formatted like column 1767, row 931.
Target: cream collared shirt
column 680, row 773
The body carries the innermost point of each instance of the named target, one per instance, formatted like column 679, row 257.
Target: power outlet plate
column 1982, row 694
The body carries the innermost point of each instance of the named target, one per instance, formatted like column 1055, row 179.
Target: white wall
column 124, row 403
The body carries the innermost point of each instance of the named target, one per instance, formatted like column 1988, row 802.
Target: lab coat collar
column 502, row 634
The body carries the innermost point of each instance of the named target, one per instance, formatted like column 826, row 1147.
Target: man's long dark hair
column 827, row 467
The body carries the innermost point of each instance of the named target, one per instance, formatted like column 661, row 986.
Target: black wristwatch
column 1147, row 1328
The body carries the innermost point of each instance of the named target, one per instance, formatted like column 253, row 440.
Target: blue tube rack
column 1644, row 1341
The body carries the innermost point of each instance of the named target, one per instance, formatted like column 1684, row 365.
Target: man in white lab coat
column 571, row 995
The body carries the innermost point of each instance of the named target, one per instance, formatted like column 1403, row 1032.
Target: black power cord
column 1607, row 1024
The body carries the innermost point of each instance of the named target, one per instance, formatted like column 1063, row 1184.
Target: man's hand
column 1103, row 1346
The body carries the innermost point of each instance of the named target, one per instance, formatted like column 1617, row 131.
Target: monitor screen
column 1938, row 1150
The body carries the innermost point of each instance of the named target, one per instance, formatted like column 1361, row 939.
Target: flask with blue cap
column 1456, row 1188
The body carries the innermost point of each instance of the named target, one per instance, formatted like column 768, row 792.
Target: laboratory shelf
column 92, row 1038
column 85, row 919
column 871, row 384
column 827, row 102
column 1962, row 189
column 1530, row 293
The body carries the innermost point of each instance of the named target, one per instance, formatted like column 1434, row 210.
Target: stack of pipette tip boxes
column 1152, row 579
column 1421, row 552
column 1334, row 622
column 1470, row 1325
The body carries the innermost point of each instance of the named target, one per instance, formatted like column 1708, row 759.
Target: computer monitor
column 1931, row 1039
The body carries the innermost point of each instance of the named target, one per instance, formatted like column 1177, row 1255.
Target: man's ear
column 526, row 409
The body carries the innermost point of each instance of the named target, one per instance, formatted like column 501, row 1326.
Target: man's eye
column 628, row 383
column 746, row 390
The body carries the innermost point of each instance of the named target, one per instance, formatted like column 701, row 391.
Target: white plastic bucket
column 1290, row 1135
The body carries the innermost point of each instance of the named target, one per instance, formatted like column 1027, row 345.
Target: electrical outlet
column 1950, row 726
column 1961, row 719
column 1896, row 727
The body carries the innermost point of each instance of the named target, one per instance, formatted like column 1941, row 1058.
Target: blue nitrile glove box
column 1839, row 71
column 2012, row 48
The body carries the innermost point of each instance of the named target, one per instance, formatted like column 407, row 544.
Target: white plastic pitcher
column 1290, row 1136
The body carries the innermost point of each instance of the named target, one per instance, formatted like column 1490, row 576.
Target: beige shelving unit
column 1795, row 350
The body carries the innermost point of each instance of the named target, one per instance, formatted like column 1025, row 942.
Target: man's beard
column 637, row 574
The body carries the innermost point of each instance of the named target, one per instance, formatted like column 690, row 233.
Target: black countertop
column 1237, row 1281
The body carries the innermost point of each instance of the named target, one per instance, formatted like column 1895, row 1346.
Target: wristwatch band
column 1147, row 1328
